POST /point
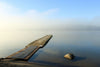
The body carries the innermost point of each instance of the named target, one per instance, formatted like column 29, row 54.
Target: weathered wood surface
column 30, row 49
column 24, row 53
column 40, row 42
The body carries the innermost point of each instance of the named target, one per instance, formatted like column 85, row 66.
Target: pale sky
column 48, row 14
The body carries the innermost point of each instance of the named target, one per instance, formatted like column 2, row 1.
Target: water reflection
column 78, row 58
column 83, row 44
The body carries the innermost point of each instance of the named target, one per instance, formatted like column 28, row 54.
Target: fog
column 12, row 18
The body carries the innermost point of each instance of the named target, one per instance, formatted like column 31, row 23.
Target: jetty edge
column 29, row 50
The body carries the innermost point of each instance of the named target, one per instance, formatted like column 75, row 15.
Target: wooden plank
column 41, row 42
column 30, row 49
column 31, row 54
column 24, row 53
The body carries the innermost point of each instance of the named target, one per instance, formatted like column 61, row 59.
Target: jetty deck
column 30, row 49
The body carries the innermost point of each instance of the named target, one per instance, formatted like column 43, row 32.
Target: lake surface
column 85, row 45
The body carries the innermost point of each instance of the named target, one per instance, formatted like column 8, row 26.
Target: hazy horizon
column 80, row 15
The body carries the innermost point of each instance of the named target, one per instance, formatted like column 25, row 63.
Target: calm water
column 85, row 45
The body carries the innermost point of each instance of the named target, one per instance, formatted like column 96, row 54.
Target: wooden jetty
column 29, row 50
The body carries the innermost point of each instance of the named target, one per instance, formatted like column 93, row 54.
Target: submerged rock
column 69, row 56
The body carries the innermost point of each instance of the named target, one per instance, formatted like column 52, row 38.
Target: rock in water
column 69, row 56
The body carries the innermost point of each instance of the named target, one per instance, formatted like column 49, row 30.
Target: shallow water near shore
column 85, row 45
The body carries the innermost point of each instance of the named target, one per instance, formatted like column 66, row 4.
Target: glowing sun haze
column 11, row 18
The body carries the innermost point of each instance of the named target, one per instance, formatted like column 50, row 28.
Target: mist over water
column 75, row 26
column 83, row 44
